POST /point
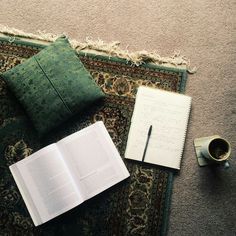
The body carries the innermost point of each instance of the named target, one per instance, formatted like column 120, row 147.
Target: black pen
column 148, row 137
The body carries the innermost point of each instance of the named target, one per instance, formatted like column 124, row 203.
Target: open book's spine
column 26, row 195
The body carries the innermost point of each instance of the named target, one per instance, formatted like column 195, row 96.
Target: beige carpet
column 204, row 199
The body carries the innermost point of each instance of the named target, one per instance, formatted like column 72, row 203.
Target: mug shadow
column 214, row 180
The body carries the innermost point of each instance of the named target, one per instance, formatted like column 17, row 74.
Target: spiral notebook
column 158, row 127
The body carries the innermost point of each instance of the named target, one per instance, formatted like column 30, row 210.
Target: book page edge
column 25, row 195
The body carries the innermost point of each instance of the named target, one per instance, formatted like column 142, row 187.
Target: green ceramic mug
column 216, row 149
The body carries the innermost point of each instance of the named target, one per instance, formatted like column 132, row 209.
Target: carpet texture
column 204, row 199
column 138, row 206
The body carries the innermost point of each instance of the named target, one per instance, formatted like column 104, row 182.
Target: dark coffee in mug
column 218, row 148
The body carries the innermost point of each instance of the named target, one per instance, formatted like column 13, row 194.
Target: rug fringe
column 111, row 49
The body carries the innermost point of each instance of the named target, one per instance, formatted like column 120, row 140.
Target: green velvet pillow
column 52, row 85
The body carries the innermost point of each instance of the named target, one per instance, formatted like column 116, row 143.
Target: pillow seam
column 53, row 85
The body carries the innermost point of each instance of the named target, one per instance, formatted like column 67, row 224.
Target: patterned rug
column 136, row 206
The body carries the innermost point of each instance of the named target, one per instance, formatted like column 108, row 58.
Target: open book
column 158, row 127
column 64, row 174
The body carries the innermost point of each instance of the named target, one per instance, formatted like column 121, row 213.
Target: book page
column 93, row 160
column 49, row 182
column 167, row 113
